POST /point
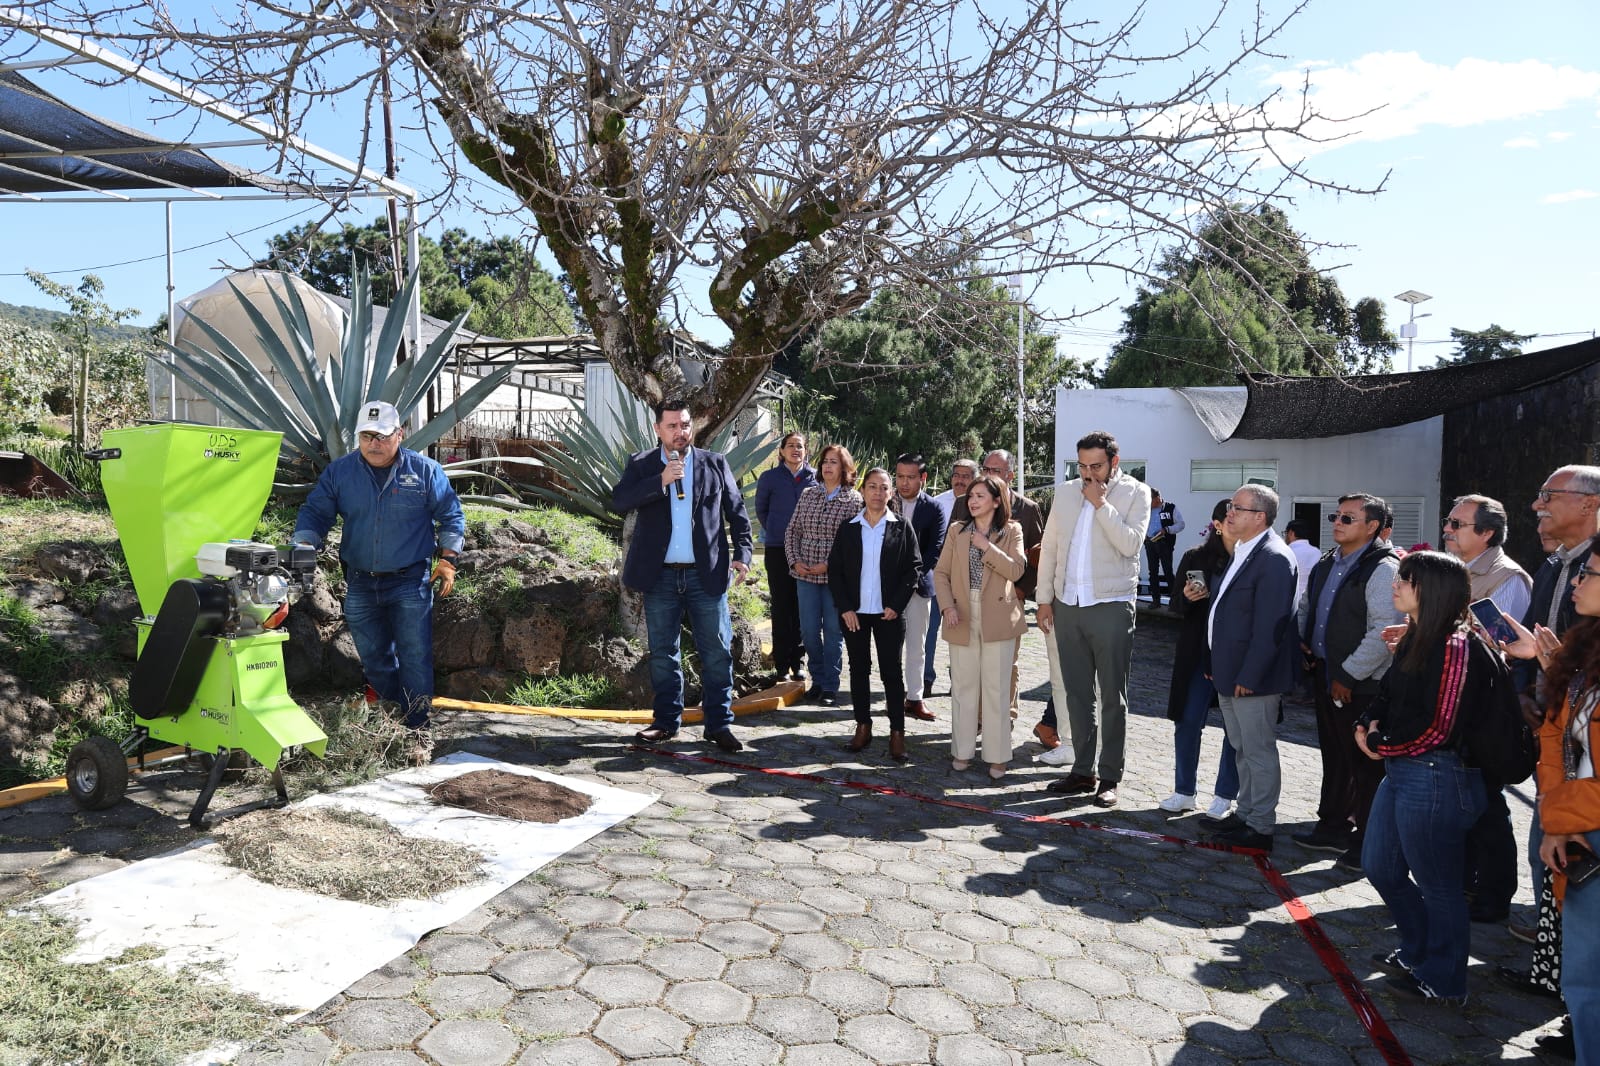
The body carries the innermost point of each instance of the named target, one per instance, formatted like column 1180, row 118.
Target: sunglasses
column 1454, row 524
column 1253, row 510
column 370, row 437
column 1346, row 519
column 1543, row 495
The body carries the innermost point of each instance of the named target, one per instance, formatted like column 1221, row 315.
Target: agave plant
column 322, row 427
column 589, row 460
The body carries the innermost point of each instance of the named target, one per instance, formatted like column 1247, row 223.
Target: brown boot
column 897, row 745
column 862, row 738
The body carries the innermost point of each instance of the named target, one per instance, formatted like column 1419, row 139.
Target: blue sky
column 1488, row 126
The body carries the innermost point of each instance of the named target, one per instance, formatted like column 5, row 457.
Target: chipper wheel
column 97, row 773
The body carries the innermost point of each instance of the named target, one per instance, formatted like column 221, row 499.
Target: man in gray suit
column 1254, row 657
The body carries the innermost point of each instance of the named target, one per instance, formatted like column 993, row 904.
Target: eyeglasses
column 370, row 437
column 1586, row 572
column 1543, row 495
column 992, row 472
column 1346, row 519
column 1454, row 524
column 1253, row 510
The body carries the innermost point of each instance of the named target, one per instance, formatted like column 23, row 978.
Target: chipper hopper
column 209, row 674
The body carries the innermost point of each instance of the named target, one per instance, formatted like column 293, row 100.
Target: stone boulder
column 74, row 562
column 534, row 642
column 27, row 720
column 114, row 613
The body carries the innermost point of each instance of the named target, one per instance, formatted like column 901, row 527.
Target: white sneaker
column 1219, row 807
column 1057, row 756
column 1177, row 802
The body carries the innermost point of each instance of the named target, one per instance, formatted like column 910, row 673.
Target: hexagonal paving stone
column 897, row 966
column 465, row 994
column 790, row 917
column 470, row 1043
column 636, row 1032
column 934, row 1010
column 303, row 1047
column 736, row 1045
column 620, row 986
column 601, row 946
column 686, row 961
column 718, row 905
column 977, row 984
column 969, row 1049
column 379, row 1023
column 526, row 970
column 975, row 928
column 831, row 900
column 1091, row 977
column 396, row 979
column 1059, row 1000
column 795, row 1020
column 823, row 1055
column 568, row 1053
column 738, row 938
column 546, row 1014
column 766, row 977
column 575, row 877
column 578, row 911
column 886, row 1039
column 647, row 890
column 448, row 953
column 526, row 931
column 848, row 992
column 1021, row 1028
column 940, row 947
column 382, row 1058
column 630, row 864
column 815, row 951
column 1013, row 961
column 709, row 1002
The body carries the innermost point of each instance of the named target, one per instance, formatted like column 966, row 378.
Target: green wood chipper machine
column 209, row 674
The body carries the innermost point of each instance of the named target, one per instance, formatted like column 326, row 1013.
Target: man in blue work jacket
column 689, row 504
column 397, row 506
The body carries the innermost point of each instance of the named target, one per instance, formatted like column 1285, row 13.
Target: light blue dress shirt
column 680, row 549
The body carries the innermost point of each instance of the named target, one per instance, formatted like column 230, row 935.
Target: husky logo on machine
column 223, row 446
column 220, row 717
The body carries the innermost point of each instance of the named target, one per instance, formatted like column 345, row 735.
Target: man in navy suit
column 927, row 522
column 1254, row 658
column 689, row 503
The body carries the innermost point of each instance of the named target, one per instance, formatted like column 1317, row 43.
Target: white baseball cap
column 378, row 417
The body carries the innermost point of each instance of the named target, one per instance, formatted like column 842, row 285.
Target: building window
column 1226, row 475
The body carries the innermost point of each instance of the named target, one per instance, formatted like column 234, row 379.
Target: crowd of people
column 1399, row 671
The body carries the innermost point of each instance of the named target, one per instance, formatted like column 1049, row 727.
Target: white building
column 1184, row 442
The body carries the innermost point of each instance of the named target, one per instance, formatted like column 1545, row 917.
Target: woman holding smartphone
column 1569, row 795
column 1430, row 796
column 982, row 618
column 1191, row 695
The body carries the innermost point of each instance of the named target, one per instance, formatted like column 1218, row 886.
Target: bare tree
column 790, row 156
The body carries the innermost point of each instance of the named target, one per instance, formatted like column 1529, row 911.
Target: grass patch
column 578, row 539
column 126, row 1011
column 27, row 524
column 347, row 854
column 576, row 690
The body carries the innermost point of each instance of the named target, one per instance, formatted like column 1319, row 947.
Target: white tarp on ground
column 296, row 948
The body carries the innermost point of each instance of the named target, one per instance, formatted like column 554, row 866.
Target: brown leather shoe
column 862, row 738
column 1073, row 784
column 897, row 745
column 918, row 709
column 654, row 735
column 1047, row 735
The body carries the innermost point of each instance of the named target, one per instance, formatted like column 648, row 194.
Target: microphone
column 675, row 456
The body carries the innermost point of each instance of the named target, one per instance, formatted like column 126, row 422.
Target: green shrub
column 577, row 690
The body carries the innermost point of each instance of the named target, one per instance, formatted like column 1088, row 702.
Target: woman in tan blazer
column 982, row 619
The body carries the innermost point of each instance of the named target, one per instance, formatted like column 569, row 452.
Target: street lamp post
column 1409, row 330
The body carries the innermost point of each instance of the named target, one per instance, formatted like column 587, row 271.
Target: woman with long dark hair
column 872, row 572
column 1191, row 695
column 822, row 509
column 1416, row 838
column 975, row 582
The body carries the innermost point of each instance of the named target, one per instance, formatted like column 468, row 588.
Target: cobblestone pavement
column 753, row 918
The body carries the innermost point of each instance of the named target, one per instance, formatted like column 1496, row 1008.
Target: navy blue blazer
column 928, row 524
column 717, row 507
column 1254, row 642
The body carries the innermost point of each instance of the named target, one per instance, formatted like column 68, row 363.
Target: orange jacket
column 1566, row 806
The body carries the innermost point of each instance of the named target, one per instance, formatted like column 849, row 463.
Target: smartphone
column 1581, row 865
column 1195, row 577
column 1493, row 621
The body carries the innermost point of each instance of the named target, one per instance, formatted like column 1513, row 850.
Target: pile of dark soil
column 508, row 795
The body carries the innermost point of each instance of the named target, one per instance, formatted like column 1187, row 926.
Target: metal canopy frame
column 363, row 183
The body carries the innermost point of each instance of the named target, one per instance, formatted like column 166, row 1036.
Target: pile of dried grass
column 125, row 1011
column 365, row 741
column 346, row 854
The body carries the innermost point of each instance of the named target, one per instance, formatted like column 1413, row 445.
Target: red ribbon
column 1355, row 993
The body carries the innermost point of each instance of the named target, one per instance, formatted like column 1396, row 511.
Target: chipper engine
column 209, row 674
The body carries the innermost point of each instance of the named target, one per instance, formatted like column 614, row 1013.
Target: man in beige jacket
column 1088, row 577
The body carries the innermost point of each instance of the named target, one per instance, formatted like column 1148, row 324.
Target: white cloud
column 1385, row 95
column 1522, row 142
column 1559, row 135
column 1570, row 196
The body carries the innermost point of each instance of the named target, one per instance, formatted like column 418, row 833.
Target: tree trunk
column 80, row 404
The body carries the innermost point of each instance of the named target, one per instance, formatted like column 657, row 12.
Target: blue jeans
column 1580, row 959
column 823, row 635
column 1186, row 742
column 678, row 592
column 932, row 642
column 1416, row 838
column 391, row 622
